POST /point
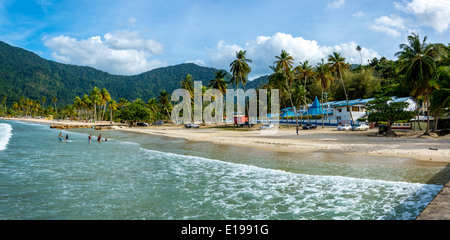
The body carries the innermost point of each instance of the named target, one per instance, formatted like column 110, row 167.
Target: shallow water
column 138, row 176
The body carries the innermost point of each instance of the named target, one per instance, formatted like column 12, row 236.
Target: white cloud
column 358, row 14
column 432, row 13
column 392, row 25
column 121, row 52
column 263, row 50
column 336, row 4
column 198, row 62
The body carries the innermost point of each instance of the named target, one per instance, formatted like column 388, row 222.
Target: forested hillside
column 25, row 74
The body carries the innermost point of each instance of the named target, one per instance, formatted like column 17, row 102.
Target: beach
column 410, row 145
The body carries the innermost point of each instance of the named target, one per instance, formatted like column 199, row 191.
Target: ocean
column 139, row 176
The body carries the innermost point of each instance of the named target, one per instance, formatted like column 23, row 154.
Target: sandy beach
column 411, row 145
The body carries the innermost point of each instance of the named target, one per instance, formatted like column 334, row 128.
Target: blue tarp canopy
column 316, row 108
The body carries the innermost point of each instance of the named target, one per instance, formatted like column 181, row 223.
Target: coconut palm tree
column 337, row 64
column 77, row 104
column 43, row 101
column 285, row 63
column 277, row 81
column 188, row 84
column 112, row 106
column 95, row 98
column 104, row 99
column 305, row 71
column 418, row 65
column 4, row 105
column 323, row 73
column 164, row 100
column 240, row 69
column 86, row 105
column 440, row 98
column 122, row 103
column 358, row 48
column 219, row 82
column 54, row 100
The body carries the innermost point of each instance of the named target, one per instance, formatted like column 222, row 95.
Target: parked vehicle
column 345, row 127
column 142, row 124
column 361, row 127
column 191, row 125
column 159, row 123
column 266, row 126
column 309, row 126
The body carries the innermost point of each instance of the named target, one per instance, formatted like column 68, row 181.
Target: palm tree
column 104, row 99
column 95, row 98
column 4, row 105
column 358, row 48
column 219, row 82
column 54, row 100
column 78, row 104
column 122, row 102
column 418, row 65
column 337, row 63
column 323, row 73
column 43, row 102
column 188, row 84
column 86, row 104
column 284, row 63
column 440, row 98
column 277, row 81
column 112, row 105
column 164, row 100
column 305, row 71
column 240, row 69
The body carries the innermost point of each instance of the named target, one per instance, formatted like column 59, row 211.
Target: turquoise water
column 137, row 176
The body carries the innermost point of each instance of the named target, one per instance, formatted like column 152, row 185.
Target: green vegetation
column 32, row 86
column 25, row 74
column 381, row 110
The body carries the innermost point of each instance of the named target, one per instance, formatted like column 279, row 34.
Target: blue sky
column 133, row 36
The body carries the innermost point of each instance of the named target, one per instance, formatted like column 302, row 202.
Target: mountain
column 23, row 73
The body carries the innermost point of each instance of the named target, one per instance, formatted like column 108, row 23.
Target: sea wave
column 335, row 197
column 5, row 135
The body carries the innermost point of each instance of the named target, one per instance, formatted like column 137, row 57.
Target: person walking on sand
column 297, row 129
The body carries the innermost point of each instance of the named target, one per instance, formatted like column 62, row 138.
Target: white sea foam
column 285, row 193
column 5, row 135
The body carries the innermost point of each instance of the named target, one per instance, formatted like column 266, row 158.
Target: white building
column 338, row 109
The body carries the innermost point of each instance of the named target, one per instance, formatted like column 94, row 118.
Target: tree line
column 422, row 71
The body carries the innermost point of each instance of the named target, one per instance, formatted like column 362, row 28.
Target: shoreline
column 326, row 140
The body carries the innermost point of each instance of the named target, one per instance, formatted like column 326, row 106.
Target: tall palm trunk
column 428, row 114
column 322, row 109
column 346, row 98
column 306, row 105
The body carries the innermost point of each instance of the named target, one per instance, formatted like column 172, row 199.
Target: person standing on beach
column 297, row 129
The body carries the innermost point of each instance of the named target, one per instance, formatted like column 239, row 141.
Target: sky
column 128, row 37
